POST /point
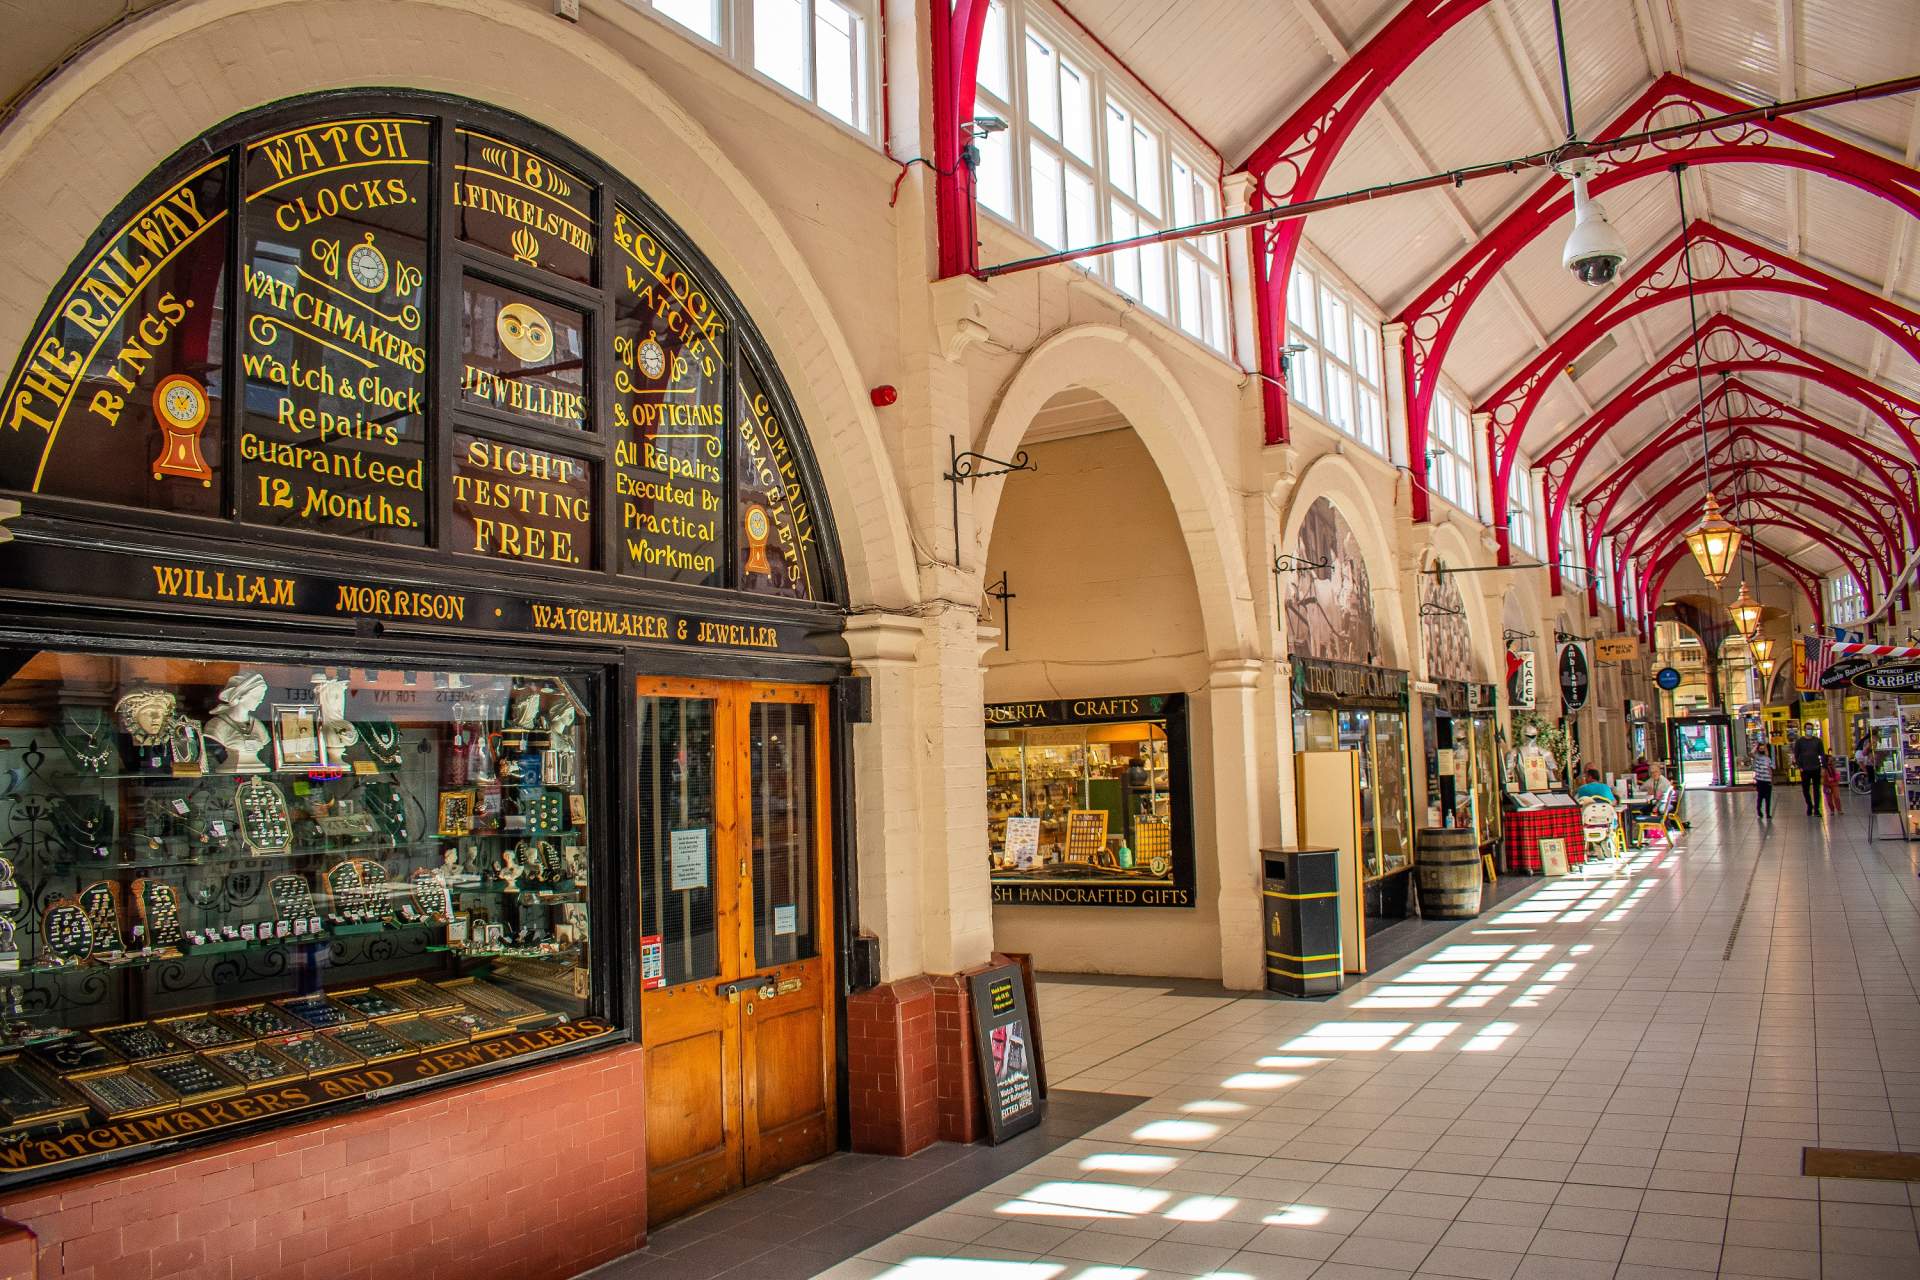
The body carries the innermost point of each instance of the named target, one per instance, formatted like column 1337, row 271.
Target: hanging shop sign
column 1005, row 1052
column 1800, row 680
column 1520, row 679
column 1667, row 678
column 1319, row 683
column 1616, row 649
column 1901, row 678
column 1575, row 672
column 1839, row 675
column 1091, row 801
column 1460, row 697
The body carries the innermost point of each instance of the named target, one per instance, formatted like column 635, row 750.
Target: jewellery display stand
column 180, row 921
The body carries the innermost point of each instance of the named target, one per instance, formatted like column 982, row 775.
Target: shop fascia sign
column 1143, row 706
column 1344, row 682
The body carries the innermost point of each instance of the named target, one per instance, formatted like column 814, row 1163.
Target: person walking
column 1763, row 782
column 1810, row 759
column 1830, row 782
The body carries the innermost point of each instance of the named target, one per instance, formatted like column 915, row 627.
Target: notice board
column 1004, row 1048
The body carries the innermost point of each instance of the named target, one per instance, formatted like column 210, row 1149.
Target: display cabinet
column 219, row 877
column 1907, row 743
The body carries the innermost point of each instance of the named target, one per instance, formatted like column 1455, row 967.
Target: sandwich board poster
column 1003, row 1046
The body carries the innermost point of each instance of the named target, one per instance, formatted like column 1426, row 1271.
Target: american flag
column 1819, row 655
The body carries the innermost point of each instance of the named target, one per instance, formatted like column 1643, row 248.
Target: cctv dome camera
column 1594, row 250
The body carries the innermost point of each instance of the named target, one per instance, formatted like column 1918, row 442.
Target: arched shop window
column 368, row 456
column 410, row 324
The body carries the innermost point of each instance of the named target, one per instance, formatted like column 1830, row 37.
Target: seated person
column 1666, row 799
column 1594, row 789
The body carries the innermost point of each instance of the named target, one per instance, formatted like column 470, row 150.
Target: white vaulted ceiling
column 1490, row 89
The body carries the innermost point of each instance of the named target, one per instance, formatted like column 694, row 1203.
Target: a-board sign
column 1003, row 1045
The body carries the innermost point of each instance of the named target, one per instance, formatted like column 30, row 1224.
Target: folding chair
column 1600, row 825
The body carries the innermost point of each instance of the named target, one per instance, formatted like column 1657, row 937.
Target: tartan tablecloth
column 1526, row 828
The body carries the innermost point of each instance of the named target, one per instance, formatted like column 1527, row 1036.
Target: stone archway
column 179, row 65
column 1123, row 370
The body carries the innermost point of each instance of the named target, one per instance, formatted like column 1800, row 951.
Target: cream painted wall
column 1106, row 605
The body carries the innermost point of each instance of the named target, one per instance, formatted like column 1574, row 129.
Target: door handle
column 765, row 984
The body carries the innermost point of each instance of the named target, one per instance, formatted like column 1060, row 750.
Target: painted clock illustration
column 180, row 408
column 653, row 358
column 367, row 266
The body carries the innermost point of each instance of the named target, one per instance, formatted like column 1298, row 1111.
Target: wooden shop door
column 736, row 924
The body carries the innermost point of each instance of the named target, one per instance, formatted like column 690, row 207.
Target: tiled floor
column 806, row 1222
column 1605, row 1080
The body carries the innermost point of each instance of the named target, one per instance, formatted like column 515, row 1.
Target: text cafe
column 413, row 525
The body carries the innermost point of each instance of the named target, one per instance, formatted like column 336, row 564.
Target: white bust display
column 335, row 729
column 233, row 726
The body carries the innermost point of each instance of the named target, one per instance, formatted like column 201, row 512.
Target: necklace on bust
column 383, row 740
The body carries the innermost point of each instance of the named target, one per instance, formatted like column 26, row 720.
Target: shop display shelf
column 188, row 951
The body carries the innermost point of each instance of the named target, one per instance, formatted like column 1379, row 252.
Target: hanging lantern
column 1745, row 612
column 1714, row 542
column 1766, row 666
column 1762, row 648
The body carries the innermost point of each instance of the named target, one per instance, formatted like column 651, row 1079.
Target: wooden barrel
column 1448, row 872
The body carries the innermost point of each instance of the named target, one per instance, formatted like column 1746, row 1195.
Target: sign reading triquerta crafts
column 291, row 331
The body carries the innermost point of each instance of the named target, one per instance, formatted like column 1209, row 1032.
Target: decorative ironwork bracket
column 971, row 466
column 1000, row 591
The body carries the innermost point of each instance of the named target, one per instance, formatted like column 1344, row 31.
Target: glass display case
column 1907, row 742
column 1386, row 799
column 219, row 878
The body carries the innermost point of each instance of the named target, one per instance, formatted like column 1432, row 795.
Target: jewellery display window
column 1098, row 803
column 231, row 890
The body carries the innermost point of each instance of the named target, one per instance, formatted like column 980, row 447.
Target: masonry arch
column 1117, row 366
column 1340, row 483
column 512, row 57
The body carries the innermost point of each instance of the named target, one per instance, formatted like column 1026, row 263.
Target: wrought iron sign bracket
column 1508, row 636
column 1000, row 591
column 1286, row 562
column 971, row 466
column 1434, row 609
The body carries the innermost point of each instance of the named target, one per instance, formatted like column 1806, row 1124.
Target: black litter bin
column 1302, row 899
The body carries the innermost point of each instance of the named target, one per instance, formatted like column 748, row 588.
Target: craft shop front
column 1354, row 788
column 417, row 640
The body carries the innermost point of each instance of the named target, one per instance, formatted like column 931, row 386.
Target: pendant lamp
column 1766, row 666
column 1745, row 612
column 1714, row 542
column 1762, row 648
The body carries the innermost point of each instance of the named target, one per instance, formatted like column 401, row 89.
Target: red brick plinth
column 910, row 1069
column 541, row 1173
